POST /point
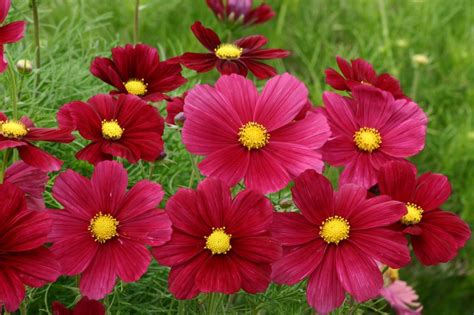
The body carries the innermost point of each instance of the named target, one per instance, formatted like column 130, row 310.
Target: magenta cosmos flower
column 336, row 241
column 23, row 258
column 219, row 243
column 370, row 130
column 20, row 133
column 137, row 70
column 123, row 126
column 241, row 56
column 240, row 11
column 9, row 33
column 83, row 307
column 255, row 137
column 361, row 72
column 103, row 230
column 436, row 235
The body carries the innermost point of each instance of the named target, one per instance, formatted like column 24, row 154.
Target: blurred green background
column 386, row 33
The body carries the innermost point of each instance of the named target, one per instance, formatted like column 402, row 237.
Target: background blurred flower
column 9, row 33
column 402, row 298
column 175, row 110
column 240, row 11
column 83, row 307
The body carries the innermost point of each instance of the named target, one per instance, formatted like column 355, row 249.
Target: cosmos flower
column 336, row 240
column 436, row 235
column 137, row 70
column 124, row 126
column 83, row 307
column 32, row 181
column 9, row 33
column 20, row 133
column 24, row 261
column 238, row 57
column 238, row 11
column 402, row 298
column 219, row 243
column 244, row 134
column 103, row 230
column 175, row 110
column 370, row 130
column 360, row 72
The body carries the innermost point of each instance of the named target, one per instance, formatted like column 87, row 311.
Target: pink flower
column 9, row 33
column 369, row 130
column 402, row 298
column 255, row 137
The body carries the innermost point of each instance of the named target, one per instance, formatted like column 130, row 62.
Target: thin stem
column 414, row 86
column 385, row 33
column 34, row 7
column 181, row 307
column 6, row 158
column 23, row 308
column 136, row 24
column 213, row 303
column 13, row 92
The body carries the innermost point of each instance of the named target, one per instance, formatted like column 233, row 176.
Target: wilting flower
column 23, row 258
column 255, row 137
column 238, row 11
column 137, row 70
column 436, row 235
column 83, row 307
column 103, row 230
column 9, row 33
column 19, row 134
column 370, row 130
column 219, row 243
column 361, row 72
column 175, row 111
column 124, row 126
column 30, row 180
column 336, row 241
column 238, row 57
column 402, row 298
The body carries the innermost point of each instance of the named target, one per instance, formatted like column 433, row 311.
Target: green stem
column 13, row 92
column 414, row 85
column 194, row 171
column 213, row 303
column 23, row 308
column 136, row 24
column 385, row 33
column 34, row 7
column 181, row 307
column 6, row 158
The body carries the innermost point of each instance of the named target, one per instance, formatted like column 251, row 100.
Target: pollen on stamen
column 367, row 139
column 136, row 87
column 228, row 51
column 13, row 129
column 218, row 242
column 413, row 215
column 253, row 135
column 103, row 227
column 111, row 129
column 334, row 229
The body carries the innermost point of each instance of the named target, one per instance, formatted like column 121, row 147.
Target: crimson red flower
column 219, row 244
column 255, row 137
column 32, row 181
column 370, row 130
column 137, row 70
column 238, row 11
column 336, row 241
column 103, row 230
column 436, row 235
column 361, row 72
column 23, row 258
column 174, row 108
column 9, row 33
column 238, row 57
column 126, row 126
column 83, row 307
column 19, row 134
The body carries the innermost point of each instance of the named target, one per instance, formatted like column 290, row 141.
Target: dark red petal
column 105, row 69
column 265, row 172
column 180, row 249
column 167, row 77
column 4, row 8
column 88, row 307
column 259, row 69
column 12, row 290
column 262, row 54
column 5, row 144
column 255, row 277
column 93, row 153
column 151, row 228
column 363, row 71
column 397, row 179
column 227, row 67
column 74, row 261
column 214, row 200
column 181, row 280
column 131, row 259
column 109, row 183
column 59, row 309
column 200, row 62
column 86, row 119
column 218, row 274
column 206, row 36
column 340, row 115
column 348, row 199
column 450, row 223
column 432, row 190
column 143, row 196
column 374, row 107
column 260, row 249
column 345, row 67
column 252, row 42
column 13, row 201
column 259, row 15
column 292, row 229
column 38, row 158
column 12, row 32
column 335, row 80
column 376, row 212
column 48, row 134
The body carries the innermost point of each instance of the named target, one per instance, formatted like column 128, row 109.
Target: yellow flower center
column 367, row 139
column 413, row 215
column 228, row 51
column 13, row 129
column 334, row 229
column 218, row 242
column 253, row 135
column 136, row 87
column 111, row 130
column 103, row 227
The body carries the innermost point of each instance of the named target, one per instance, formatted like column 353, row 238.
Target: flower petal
column 38, row 158
column 218, row 273
column 397, row 179
column 108, row 184
column 432, row 190
column 99, row 278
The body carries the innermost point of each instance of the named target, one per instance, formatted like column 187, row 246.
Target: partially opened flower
column 9, row 33
column 24, row 261
column 240, row 56
column 360, row 72
column 370, row 130
column 123, row 126
column 436, row 235
column 241, row 11
column 32, row 181
column 175, row 110
column 402, row 298
column 336, row 241
column 219, row 243
column 103, row 231
column 83, row 307
column 255, row 137
column 20, row 133
column 137, row 70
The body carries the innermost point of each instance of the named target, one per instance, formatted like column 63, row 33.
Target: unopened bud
column 420, row 59
column 179, row 119
column 285, row 203
column 24, row 66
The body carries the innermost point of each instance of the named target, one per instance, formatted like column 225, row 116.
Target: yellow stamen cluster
column 218, row 242
column 111, row 129
column 334, row 229
column 253, row 135
column 136, row 87
column 413, row 215
column 103, row 227
column 13, row 129
column 367, row 139
column 228, row 51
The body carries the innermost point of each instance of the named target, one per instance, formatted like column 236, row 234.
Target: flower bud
column 420, row 59
column 24, row 66
column 285, row 203
column 179, row 119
